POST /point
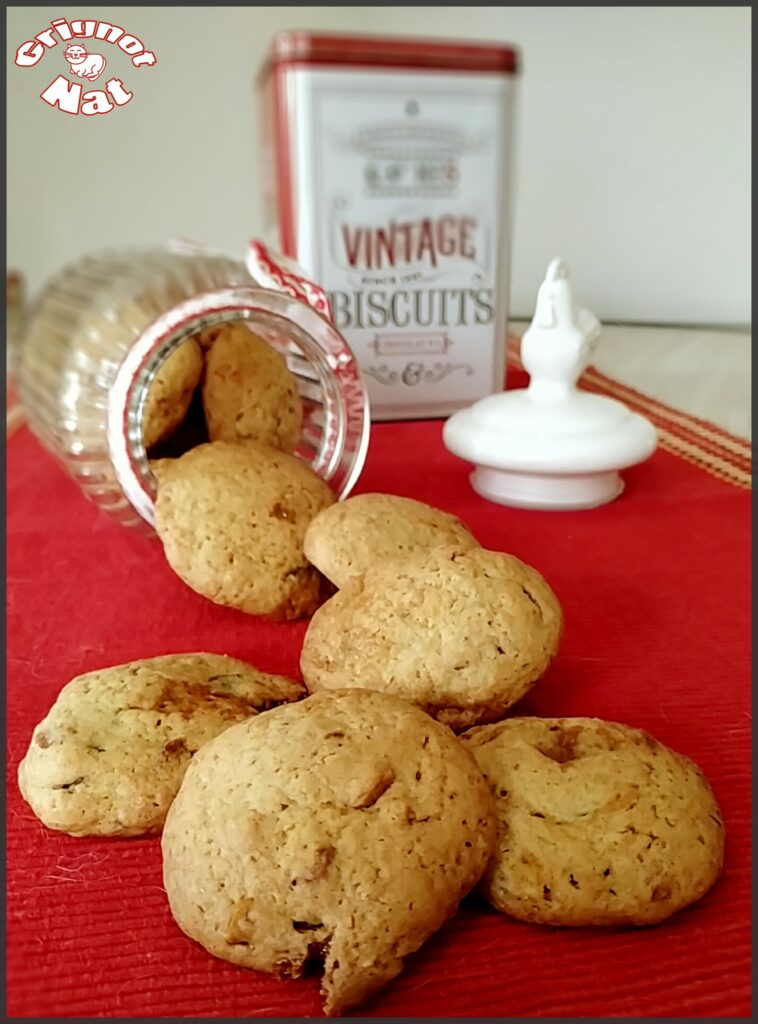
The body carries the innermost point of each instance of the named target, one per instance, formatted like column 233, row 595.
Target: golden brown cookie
column 353, row 536
column 598, row 823
column 170, row 392
column 343, row 830
column 462, row 635
column 207, row 337
column 158, row 467
column 248, row 392
column 232, row 520
column 109, row 756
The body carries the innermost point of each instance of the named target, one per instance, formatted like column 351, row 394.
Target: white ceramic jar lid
column 551, row 445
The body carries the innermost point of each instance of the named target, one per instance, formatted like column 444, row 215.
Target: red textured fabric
column 655, row 589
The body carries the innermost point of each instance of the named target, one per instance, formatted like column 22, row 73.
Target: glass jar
column 14, row 313
column 100, row 331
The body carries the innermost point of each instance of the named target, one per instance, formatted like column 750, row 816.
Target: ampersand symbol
column 412, row 373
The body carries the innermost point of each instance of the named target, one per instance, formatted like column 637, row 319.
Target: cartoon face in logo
column 83, row 64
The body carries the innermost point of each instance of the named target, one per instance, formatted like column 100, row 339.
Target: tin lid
column 391, row 51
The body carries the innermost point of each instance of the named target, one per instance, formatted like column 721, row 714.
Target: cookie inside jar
column 236, row 381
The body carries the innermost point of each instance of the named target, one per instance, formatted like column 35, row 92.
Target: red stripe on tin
column 310, row 48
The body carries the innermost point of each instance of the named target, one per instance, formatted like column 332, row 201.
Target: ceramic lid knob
column 551, row 445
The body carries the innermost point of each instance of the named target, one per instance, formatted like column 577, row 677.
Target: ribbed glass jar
column 100, row 330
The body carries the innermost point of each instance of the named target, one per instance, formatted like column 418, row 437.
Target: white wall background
column 633, row 149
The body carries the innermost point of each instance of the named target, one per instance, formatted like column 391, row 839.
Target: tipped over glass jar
column 101, row 330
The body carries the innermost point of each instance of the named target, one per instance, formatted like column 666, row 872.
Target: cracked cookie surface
column 232, row 519
column 355, row 535
column 462, row 635
column 598, row 823
column 342, row 830
column 110, row 754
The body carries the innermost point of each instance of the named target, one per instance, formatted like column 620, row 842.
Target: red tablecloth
column 655, row 589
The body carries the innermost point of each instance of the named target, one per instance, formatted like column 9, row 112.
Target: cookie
column 343, row 830
column 462, row 635
column 191, row 432
column 170, row 393
column 598, row 823
column 248, row 392
column 350, row 538
column 232, row 520
column 158, row 467
column 108, row 758
column 207, row 337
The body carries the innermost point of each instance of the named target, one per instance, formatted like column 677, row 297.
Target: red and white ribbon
column 270, row 270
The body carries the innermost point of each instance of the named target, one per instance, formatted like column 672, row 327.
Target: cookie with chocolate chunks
column 232, row 519
column 341, row 831
column 352, row 537
column 109, row 756
column 598, row 823
column 463, row 634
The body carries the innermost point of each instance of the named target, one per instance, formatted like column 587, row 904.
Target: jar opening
column 336, row 419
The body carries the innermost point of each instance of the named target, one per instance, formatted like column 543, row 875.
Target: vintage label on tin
column 401, row 190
